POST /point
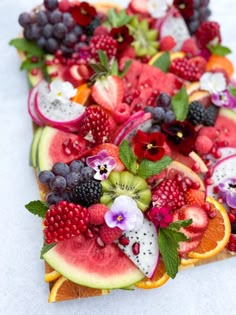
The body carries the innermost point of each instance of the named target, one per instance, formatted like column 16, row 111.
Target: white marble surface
column 204, row 290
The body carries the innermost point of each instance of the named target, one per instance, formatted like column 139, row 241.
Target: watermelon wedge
column 84, row 262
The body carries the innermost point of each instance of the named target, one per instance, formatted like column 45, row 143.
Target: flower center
column 59, row 93
column 150, row 146
column 102, row 168
column 179, row 134
column 119, row 218
column 232, row 187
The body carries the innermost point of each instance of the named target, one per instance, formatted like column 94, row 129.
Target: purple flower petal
column 102, row 163
column 231, row 199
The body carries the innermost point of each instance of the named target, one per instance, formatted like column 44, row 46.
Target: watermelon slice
column 84, row 262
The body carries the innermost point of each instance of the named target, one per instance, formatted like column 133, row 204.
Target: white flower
column 61, row 90
column 158, row 8
column 213, row 82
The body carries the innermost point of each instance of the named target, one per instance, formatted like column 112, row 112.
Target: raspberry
column 203, row 144
column 96, row 213
column 95, row 125
column 167, row 43
column 185, row 70
column 86, row 193
column 208, row 32
column 105, row 43
column 65, row 220
column 168, row 194
column 109, row 235
column 121, row 113
column 190, row 47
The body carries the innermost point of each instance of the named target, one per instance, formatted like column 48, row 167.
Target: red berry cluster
column 207, row 32
column 105, row 43
column 185, row 69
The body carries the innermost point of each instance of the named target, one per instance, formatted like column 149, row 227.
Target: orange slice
column 217, row 234
column 63, row 289
column 82, row 95
column 220, row 62
column 173, row 56
column 188, row 261
column 160, row 277
column 50, row 273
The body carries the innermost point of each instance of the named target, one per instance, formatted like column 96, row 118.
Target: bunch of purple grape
column 63, row 178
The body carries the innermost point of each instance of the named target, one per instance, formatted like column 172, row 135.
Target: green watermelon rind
column 34, row 146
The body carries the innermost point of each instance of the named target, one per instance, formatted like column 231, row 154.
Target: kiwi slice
column 127, row 184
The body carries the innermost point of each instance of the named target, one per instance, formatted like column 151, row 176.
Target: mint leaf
column 126, row 68
column 127, row 157
column 28, row 65
column 168, row 241
column 219, row 50
column 103, row 59
column 115, row 68
column 163, row 62
column 178, row 224
column 117, row 19
column 232, row 91
column 180, row 104
column 45, row 249
column 37, row 207
column 27, row 46
column 148, row 168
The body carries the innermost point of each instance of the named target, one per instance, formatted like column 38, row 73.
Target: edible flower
column 227, row 190
column 213, row 82
column 158, row 8
column 61, row 90
column 122, row 36
column 124, row 214
column 180, row 135
column 149, row 145
column 160, row 216
column 102, row 163
column 224, row 99
column 83, row 13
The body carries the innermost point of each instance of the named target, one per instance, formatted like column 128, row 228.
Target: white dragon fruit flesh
column 142, row 247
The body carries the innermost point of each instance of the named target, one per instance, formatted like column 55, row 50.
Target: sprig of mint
column 117, row 19
column 46, row 248
column 148, row 168
column 232, row 90
column 163, row 62
column 168, row 241
column 219, row 50
column 180, row 104
column 38, row 208
column 128, row 157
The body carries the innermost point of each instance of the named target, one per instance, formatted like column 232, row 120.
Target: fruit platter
column 133, row 142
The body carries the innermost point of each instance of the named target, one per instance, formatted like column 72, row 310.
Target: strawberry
column 190, row 47
column 195, row 197
column 198, row 215
column 96, row 213
column 167, row 43
column 192, row 236
column 139, row 6
column 108, row 92
column 188, row 246
column 109, row 235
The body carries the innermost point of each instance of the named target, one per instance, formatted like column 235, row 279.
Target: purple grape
column 76, row 166
column 53, row 198
column 58, row 183
column 87, row 173
column 65, row 196
column 41, row 42
column 60, row 168
column 55, row 17
column 158, row 114
column 196, row 4
column 66, row 51
column 155, row 128
column 68, row 21
column 45, row 177
column 52, row 45
column 70, row 40
column 73, row 179
column 169, row 116
column 59, row 30
column 47, row 30
column 77, row 31
column 24, row 19
column 163, row 100
column 50, row 4
column 27, row 33
column 149, row 109
column 35, row 31
column 41, row 18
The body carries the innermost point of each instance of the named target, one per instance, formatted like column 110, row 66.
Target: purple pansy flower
column 224, row 99
column 161, row 216
column 124, row 214
column 102, row 163
column 227, row 190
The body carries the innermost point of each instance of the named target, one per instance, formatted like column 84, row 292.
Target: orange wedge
column 82, row 95
column 63, row 289
column 50, row 273
column 217, row 234
column 173, row 56
column 220, row 62
column 160, row 277
column 188, row 261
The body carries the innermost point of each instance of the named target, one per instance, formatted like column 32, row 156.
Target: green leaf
column 46, row 248
column 178, row 224
column 118, row 19
column 126, row 68
column 115, row 68
column 180, row 104
column 127, row 157
column 28, row 65
column 103, row 59
column 232, row 90
column 27, row 46
column 148, row 168
column 219, row 50
column 163, row 62
column 37, row 207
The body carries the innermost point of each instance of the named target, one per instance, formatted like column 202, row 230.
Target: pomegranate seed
column 100, row 242
column 231, row 217
column 53, row 74
column 34, row 71
column 124, row 240
column 211, row 214
column 215, row 189
column 195, row 185
column 206, row 206
column 136, row 248
column 217, row 154
column 232, row 238
column 196, row 167
column 34, row 59
column 208, row 181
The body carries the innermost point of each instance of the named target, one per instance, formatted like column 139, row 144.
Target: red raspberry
column 65, row 220
column 184, row 69
column 105, row 43
column 95, row 126
column 190, row 47
column 208, row 31
column 109, row 235
column 167, row 43
column 168, row 194
column 96, row 213
column 121, row 113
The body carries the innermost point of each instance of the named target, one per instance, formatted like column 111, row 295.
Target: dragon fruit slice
column 174, row 25
column 31, row 103
column 223, row 169
column 61, row 114
column 142, row 248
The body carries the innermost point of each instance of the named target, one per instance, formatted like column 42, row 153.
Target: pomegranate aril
column 124, row 241
column 136, row 248
column 232, row 217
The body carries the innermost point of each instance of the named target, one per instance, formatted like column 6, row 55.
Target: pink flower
column 102, row 163
column 160, row 216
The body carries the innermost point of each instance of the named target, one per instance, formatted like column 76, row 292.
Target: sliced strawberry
column 188, row 246
column 192, row 236
column 108, row 92
column 198, row 216
column 195, row 197
column 139, row 6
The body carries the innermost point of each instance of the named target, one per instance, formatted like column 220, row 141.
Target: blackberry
column 196, row 113
column 89, row 29
column 86, row 193
column 211, row 114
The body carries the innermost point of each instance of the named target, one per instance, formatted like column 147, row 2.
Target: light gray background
column 204, row 290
